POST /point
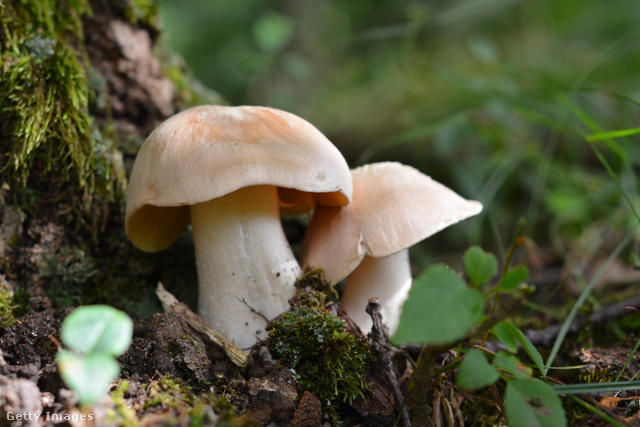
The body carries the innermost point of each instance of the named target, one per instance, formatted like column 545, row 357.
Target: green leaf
column 90, row 376
column 97, row 329
column 480, row 266
column 511, row 364
column 440, row 309
column 475, row 371
column 511, row 336
column 506, row 336
column 513, row 278
column 532, row 403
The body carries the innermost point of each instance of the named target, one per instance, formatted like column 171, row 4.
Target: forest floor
column 173, row 375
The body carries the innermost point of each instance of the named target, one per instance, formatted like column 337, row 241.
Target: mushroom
column 221, row 169
column 394, row 207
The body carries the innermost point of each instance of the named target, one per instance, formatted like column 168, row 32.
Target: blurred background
column 505, row 101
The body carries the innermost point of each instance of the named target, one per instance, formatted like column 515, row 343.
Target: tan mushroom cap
column 207, row 152
column 394, row 206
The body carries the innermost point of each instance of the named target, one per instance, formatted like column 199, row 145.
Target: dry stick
column 171, row 304
column 546, row 336
column 379, row 348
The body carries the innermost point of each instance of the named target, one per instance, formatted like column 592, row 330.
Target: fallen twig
column 380, row 350
column 170, row 303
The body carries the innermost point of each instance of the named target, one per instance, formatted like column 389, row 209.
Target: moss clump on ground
column 312, row 290
column 170, row 392
column 206, row 409
column 330, row 361
column 127, row 414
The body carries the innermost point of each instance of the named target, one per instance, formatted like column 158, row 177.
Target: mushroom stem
column 388, row 278
column 246, row 270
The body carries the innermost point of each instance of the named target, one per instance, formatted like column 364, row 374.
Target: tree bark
column 81, row 85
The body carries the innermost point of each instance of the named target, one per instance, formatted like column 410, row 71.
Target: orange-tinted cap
column 207, row 152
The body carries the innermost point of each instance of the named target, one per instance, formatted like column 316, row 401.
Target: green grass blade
column 603, row 136
column 583, row 297
column 614, row 147
column 633, row 353
column 596, row 411
column 596, row 387
column 616, row 180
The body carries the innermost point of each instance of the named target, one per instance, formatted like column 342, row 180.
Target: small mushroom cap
column 207, row 152
column 394, row 206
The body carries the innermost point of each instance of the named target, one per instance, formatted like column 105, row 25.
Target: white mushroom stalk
column 388, row 278
column 240, row 244
column 228, row 171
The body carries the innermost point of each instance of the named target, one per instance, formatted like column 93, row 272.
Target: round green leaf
column 480, row 266
column 513, row 278
column 90, row 376
column 511, row 336
column 511, row 364
column 97, row 329
column 508, row 335
column 440, row 309
column 475, row 371
column 532, row 403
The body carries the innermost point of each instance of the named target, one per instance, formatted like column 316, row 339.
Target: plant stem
column 420, row 386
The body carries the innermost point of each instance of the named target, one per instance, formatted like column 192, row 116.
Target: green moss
column 7, row 305
column 45, row 127
column 170, row 392
column 44, row 92
column 145, row 12
column 577, row 414
column 126, row 415
column 312, row 290
column 481, row 410
column 330, row 361
column 226, row 414
column 202, row 410
column 597, row 374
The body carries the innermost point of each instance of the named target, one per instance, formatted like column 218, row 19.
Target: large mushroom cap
column 207, row 152
column 394, row 206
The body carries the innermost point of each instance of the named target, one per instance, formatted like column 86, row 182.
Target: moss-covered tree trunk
column 82, row 83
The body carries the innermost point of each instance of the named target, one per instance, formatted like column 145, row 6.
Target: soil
column 168, row 370
column 174, row 375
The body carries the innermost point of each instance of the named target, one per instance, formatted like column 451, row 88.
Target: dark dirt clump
column 26, row 343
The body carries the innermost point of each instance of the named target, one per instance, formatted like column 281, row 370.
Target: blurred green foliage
column 494, row 98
